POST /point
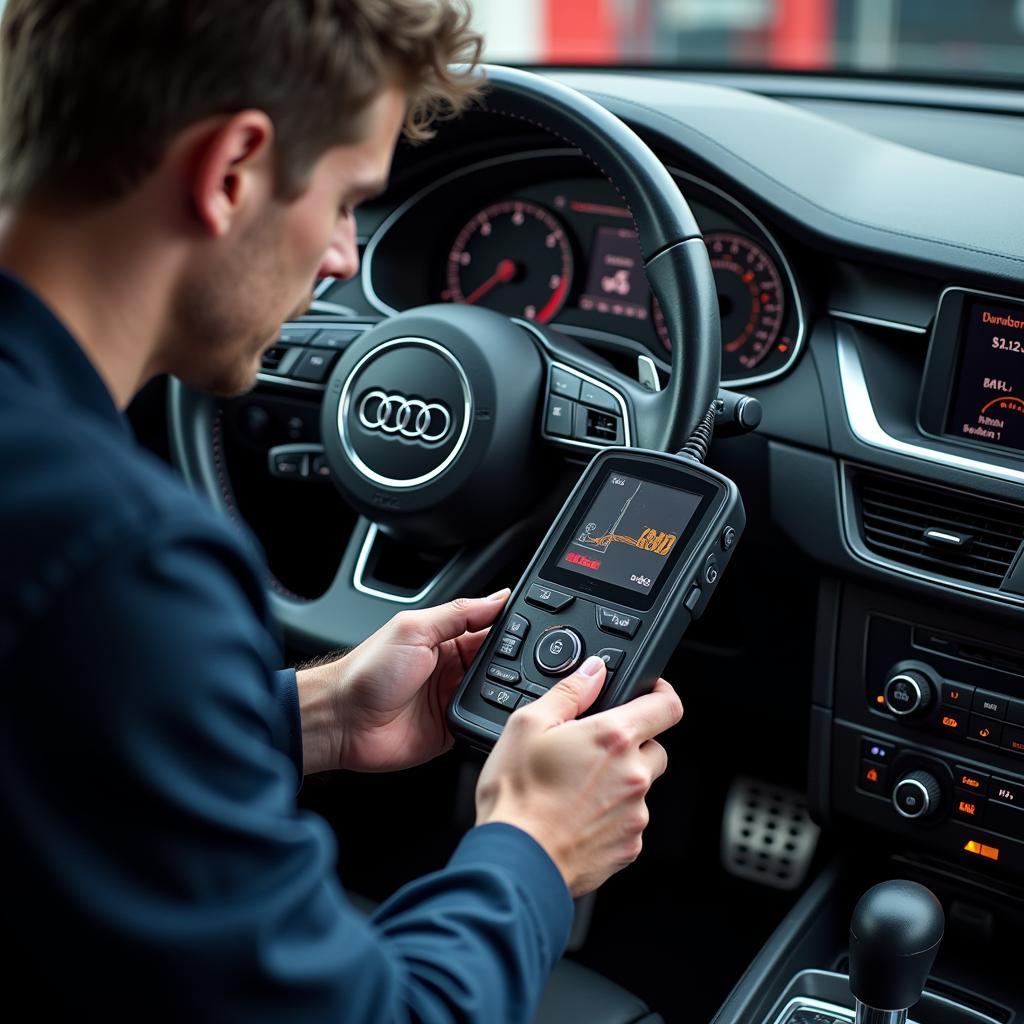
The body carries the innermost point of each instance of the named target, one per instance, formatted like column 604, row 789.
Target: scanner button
column 545, row 597
column 612, row 657
column 518, row 625
column 609, row 621
column 693, row 598
column 558, row 650
column 502, row 674
column 508, row 645
column 499, row 696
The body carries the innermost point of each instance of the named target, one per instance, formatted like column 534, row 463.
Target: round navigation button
column 558, row 649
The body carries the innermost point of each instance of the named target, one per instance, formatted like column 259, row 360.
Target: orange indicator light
column 872, row 775
column 879, row 699
column 950, row 722
column 966, row 807
column 973, row 846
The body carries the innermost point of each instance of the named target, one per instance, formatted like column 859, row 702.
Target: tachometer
column 751, row 300
column 513, row 257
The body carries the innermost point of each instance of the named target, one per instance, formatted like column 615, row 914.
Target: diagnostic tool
column 632, row 558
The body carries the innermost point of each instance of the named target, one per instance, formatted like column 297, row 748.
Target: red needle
column 505, row 272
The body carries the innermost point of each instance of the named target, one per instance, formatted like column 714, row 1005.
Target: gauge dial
column 751, row 301
column 513, row 257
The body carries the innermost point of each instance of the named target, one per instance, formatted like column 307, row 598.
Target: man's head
column 259, row 126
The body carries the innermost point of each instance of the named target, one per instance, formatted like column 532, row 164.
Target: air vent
column 947, row 532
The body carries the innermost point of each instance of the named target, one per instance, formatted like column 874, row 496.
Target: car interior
column 528, row 296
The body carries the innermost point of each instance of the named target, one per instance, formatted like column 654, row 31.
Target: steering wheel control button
column 990, row 704
column 320, row 468
column 559, row 419
column 502, row 674
column 292, row 335
column 612, row 657
column 873, row 778
column 313, row 367
column 984, row 730
column 609, row 621
column 499, row 696
column 597, row 426
column 956, row 695
column 289, row 465
column 508, row 645
column 558, row 650
column 337, row 339
column 917, row 795
column 518, row 625
column 728, row 538
column 591, row 394
column 545, row 597
column 907, row 693
column 565, row 384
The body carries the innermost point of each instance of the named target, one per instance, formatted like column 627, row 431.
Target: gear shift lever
column 895, row 933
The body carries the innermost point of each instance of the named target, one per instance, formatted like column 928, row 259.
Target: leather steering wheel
column 437, row 422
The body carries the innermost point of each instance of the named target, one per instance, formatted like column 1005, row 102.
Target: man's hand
column 382, row 707
column 579, row 787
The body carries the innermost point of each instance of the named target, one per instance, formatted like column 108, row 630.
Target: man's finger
column 447, row 621
column 655, row 757
column 469, row 643
column 646, row 716
column 572, row 696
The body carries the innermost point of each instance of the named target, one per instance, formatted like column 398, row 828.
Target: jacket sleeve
column 156, row 774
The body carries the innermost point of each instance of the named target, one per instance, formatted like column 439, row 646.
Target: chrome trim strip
column 627, row 434
column 876, row 321
column 860, row 414
column 346, row 398
column 360, row 569
column 801, row 329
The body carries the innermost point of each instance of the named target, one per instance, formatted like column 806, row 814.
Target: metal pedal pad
column 767, row 834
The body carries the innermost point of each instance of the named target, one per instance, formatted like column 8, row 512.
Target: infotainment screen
column 629, row 530
column 987, row 399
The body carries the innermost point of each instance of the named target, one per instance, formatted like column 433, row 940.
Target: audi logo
column 411, row 418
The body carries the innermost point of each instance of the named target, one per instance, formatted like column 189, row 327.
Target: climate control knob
column 917, row 795
column 908, row 693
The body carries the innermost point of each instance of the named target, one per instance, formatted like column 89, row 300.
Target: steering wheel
column 440, row 425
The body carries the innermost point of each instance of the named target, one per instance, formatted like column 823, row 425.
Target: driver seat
column 574, row 994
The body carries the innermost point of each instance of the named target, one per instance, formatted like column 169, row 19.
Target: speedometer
column 751, row 301
column 513, row 257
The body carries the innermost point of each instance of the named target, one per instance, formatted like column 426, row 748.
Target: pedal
column 767, row 835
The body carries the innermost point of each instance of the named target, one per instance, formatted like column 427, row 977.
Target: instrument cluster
column 536, row 238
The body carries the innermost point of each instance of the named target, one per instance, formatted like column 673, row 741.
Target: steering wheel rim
column 679, row 272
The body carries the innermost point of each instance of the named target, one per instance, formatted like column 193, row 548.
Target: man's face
column 230, row 307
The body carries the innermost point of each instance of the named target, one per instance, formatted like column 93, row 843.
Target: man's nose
column 341, row 260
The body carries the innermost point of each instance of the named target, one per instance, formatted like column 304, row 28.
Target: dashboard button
column 970, row 780
column 984, row 730
column 1007, row 792
column 1015, row 712
column 609, row 621
column 501, row 674
column 518, row 625
column 957, row 695
column 873, row 750
column 558, row 650
column 508, row 645
column 968, row 806
column 559, row 418
column 917, row 795
column 991, row 704
column 952, row 721
column 873, row 777
column 564, row 383
column 907, row 693
column 591, row 394
column 545, row 597
column 1013, row 739
column 499, row 696
column 1006, row 819
column 612, row 657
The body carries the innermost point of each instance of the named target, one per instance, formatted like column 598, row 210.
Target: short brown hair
column 93, row 91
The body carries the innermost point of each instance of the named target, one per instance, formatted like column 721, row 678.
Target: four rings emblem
column 411, row 418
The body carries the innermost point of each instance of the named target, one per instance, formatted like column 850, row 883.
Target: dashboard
column 541, row 237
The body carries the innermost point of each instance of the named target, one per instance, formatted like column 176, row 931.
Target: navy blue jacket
column 156, row 862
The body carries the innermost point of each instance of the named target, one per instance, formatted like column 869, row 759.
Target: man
column 174, row 177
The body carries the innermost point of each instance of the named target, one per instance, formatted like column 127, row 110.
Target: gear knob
column 895, row 932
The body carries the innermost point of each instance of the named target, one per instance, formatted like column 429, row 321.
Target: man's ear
column 233, row 167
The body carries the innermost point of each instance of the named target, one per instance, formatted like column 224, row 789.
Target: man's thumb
column 571, row 697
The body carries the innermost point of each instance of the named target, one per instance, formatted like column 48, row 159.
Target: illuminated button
column 1006, row 819
column 545, row 597
column 508, row 645
column 499, row 696
column 952, row 721
column 518, row 625
column 502, row 674
column 873, row 777
column 1013, row 739
column 558, row 650
column 968, row 807
column 1007, row 792
column 980, row 849
column 984, row 730
column 970, row 780
column 991, row 704
column 609, row 621
column 876, row 751
column 957, row 695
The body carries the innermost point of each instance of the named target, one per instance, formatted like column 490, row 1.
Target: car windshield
column 952, row 40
